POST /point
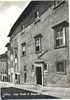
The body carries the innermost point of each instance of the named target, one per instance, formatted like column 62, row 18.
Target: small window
column 60, row 66
column 25, row 77
column 37, row 14
column 57, row 3
column 38, row 44
column 37, row 17
column 45, row 67
column 23, row 49
column 25, row 68
column 15, row 60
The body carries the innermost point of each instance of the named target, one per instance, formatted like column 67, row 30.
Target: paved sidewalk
column 63, row 93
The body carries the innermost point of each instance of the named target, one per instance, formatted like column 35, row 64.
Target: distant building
column 3, row 68
column 10, row 66
column 40, row 46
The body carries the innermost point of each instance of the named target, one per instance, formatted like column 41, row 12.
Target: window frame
column 60, row 26
column 64, row 65
column 63, row 38
column 39, row 36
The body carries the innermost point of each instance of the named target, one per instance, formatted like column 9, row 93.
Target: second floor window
column 60, row 37
column 38, row 47
column 23, row 49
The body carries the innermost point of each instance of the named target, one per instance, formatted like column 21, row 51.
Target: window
column 60, row 35
column 25, row 68
column 37, row 14
column 60, row 66
column 23, row 49
column 60, row 38
column 38, row 43
column 58, row 2
column 45, row 67
column 37, row 17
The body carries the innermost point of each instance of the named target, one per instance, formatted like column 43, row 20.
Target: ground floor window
column 60, row 66
column 4, row 78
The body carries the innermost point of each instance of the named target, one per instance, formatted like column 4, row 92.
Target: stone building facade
column 40, row 44
column 3, row 68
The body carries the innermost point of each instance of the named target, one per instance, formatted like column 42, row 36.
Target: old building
column 13, row 75
column 40, row 44
column 10, row 67
column 3, row 68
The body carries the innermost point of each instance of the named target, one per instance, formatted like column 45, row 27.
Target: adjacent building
column 40, row 44
column 3, row 68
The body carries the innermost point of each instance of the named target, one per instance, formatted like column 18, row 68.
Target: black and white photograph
column 34, row 49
